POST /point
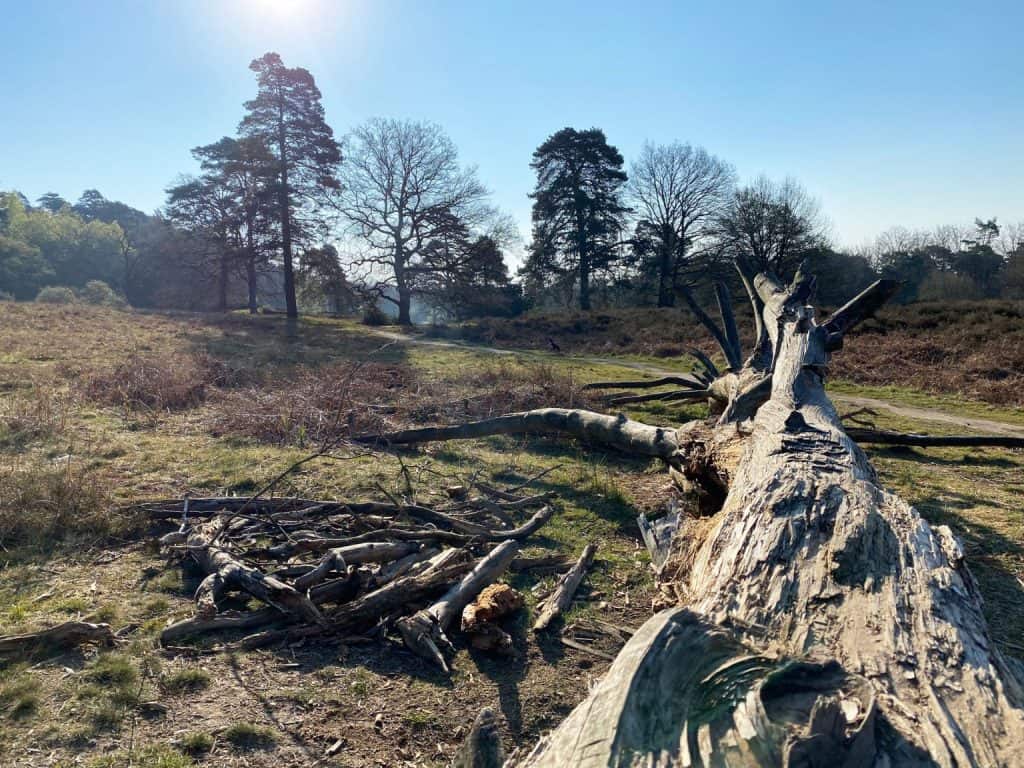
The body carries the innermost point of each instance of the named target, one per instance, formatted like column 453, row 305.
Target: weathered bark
column 561, row 598
column 225, row 571
column 824, row 622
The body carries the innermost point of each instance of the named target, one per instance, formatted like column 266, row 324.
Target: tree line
column 284, row 212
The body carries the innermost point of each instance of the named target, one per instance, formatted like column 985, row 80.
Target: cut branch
column 62, row 637
column 225, row 571
column 561, row 598
column 424, row 632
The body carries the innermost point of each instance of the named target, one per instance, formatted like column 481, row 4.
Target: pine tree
column 289, row 118
column 577, row 206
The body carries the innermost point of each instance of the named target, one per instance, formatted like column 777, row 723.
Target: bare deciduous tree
column 677, row 189
column 403, row 191
column 767, row 224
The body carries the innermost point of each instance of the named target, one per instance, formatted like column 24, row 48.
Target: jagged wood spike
column 731, row 355
column 729, row 322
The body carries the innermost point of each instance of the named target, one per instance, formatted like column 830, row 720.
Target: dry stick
column 424, row 631
column 675, row 394
column 883, row 437
column 224, row 569
column 334, row 591
column 681, row 381
column 289, row 549
column 561, row 598
column 470, row 530
column 369, row 608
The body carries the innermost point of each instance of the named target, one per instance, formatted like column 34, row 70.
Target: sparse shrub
column 187, row 680
column 246, row 736
column 42, row 505
column 374, row 315
column 19, row 697
column 113, row 670
column 314, row 405
column 159, row 382
column 41, row 412
column 99, row 293
column 197, row 743
column 334, row 402
column 56, row 294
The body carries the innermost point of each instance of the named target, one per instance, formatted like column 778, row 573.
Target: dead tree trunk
column 821, row 620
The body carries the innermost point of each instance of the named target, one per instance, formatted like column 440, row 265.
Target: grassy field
column 99, row 408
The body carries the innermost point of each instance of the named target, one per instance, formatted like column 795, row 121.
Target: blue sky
column 897, row 113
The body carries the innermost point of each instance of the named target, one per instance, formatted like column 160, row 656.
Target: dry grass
column 159, row 381
column 311, row 406
column 971, row 349
column 38, row 413
column 43, row 504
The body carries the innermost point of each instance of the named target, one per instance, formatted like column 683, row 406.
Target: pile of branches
column 344, row 569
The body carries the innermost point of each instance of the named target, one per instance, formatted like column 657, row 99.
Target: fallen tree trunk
column 561, row 598
column 825, row 623
column 62, row 637
column 822, row 621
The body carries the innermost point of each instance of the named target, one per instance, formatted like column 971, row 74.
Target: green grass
column 600, row 495
column 247, row 736
column 188, row 680
column 197, row 743
column 153, row 756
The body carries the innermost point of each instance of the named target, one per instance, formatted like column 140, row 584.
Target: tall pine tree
column 289, row 118
column 577, row 207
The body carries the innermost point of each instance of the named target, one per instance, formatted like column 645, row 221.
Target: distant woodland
column 386, row 221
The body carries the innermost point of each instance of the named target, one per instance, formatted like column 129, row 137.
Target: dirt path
column 906, row 411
